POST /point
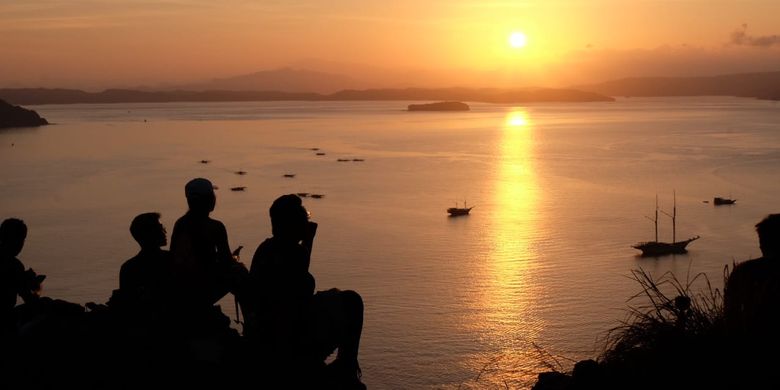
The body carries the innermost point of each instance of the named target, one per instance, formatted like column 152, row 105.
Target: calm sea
column 538, row 272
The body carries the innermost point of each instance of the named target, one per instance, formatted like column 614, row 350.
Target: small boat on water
column 456, row 211
column 343, row 160
column 320, row 153
column 718, row 201
column 205, row 161
column 289, row 175
column 657, row 248
column 237, row 188
column 358, row 159
column 241, row 173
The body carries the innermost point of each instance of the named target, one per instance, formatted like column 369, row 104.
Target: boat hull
column 456, row 211
column 723, row 201
column 655, row 248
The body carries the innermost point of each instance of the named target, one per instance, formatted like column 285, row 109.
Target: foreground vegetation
column 672, row 337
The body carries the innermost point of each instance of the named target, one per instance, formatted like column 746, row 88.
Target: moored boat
column 658, row 248
column 456, row 211
column 718, row 201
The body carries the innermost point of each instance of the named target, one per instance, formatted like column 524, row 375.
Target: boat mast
column 655, row 220
column 674, row 217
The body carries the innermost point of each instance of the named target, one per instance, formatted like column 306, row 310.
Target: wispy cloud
column 55, row 23
column 39, row 15
column 740, row 37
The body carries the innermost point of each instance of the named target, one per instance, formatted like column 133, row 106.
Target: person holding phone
column 301, row 327
column 204, row 268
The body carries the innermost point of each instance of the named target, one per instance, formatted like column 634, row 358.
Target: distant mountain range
column 764, row 85
column 28, row 96
column 305, row 85
column 284, row 79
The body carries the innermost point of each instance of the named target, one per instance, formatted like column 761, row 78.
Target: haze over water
column 561, row 193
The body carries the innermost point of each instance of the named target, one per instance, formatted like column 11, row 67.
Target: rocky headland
column 15, row 116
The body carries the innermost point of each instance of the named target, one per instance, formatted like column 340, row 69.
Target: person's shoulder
column 128, row 268
column 262, row 250
column 751, row 265
column 265, row 246
column 131, row 262
column 12, row 265
column 752, row 269
column 215, row 223
column 181, row 221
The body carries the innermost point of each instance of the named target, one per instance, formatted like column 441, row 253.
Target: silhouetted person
column 204, row 268
column 14, row 280
column 302, row 328
column 752, row 305
column 146, row 280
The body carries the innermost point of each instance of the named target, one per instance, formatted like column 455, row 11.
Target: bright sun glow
column 518, row 40
column 516, row 119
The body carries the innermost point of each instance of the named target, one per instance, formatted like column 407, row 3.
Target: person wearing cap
column 204, row 268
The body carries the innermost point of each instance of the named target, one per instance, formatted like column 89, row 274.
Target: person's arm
column 733, row 298
column 123, row 277
column 30, row 286
column 308, row 240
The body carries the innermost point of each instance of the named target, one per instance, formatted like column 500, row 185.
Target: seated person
column 146, row 278
column 302, row 328
column 204, row 268
column 14, row 280
column 751, row 309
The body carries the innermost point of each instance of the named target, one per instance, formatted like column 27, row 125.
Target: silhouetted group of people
column 163, row 322
column 165, row 311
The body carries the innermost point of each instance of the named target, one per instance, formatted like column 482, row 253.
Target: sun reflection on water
column 508, row 296
column 517, row 119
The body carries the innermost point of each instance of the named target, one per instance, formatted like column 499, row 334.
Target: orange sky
column 101, row 43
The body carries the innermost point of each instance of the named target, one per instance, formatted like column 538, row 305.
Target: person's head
column 289, row 217
column 148, row 231
column 13, row 232
column 200, row 195
column 769, row 235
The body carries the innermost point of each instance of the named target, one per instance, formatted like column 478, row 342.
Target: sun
column 518, row 40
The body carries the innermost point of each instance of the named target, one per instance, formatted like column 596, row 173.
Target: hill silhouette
column 14, row 116
column 765, row 85
column 487, row 95
column 284, row 79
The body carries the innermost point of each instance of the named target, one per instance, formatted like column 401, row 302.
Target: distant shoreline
column 40, row 96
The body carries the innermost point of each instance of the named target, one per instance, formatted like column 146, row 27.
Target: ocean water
column 537, row 273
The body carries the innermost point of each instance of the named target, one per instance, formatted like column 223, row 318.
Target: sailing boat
column 455, row 211
column 657, row 248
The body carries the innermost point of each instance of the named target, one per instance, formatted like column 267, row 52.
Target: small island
column 15, row 116
column 440, row 106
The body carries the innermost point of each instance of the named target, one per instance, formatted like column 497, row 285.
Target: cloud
column 740, row 37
